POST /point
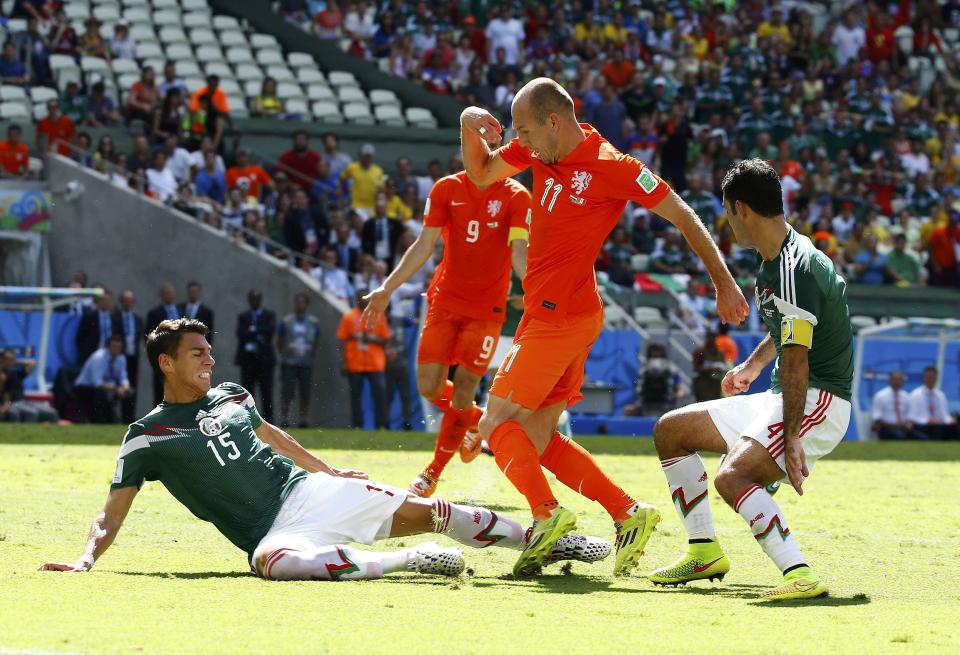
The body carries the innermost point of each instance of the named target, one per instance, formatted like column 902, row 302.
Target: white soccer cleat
column 578, row 548
column 433, row 559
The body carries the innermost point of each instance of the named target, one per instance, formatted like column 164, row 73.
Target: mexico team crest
column 493, row 207
column 580, row 181
column 211, row 426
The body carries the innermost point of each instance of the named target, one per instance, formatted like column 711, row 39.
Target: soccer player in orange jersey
column 581, row 187
column 484, row 230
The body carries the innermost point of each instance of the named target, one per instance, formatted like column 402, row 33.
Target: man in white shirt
column 333, row 279
column 506, row 32
column 178, row 159
column 890, row 407
column 197, row 156
column 928, row 409
column 848, row 38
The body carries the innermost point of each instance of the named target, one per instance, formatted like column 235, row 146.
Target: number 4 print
column 556, row 188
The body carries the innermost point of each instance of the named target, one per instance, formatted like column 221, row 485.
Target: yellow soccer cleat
column 632, row 537
column 702, row 562
column 798, row 584
column 543, row 538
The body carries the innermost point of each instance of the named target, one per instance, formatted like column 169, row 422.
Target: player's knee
column 430, row 387
column 727, row 483
column 664, row 432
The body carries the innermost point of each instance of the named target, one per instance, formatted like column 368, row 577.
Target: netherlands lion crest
column 493, row 207
column 580, row 181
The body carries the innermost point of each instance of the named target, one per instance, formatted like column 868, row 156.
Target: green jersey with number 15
column 208, row 456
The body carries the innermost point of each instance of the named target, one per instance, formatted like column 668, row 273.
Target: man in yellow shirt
column 362, row 179
column 774, row 27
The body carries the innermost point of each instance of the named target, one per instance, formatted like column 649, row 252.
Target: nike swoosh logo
column 457, row 204
column 701, row 569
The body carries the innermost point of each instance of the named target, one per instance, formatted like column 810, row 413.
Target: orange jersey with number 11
column 478, row 226
column 576, row 203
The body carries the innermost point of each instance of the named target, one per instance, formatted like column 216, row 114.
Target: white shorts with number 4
column 324, row 510
column 760, row 417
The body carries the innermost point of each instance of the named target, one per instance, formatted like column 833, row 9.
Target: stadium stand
column 856, row 106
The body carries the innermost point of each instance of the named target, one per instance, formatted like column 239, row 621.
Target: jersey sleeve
column 632, row 180
column 134, row 462
column 436, row 211
column 516, row 155
column 518, row 215
column 801, row 304
column 245, row 399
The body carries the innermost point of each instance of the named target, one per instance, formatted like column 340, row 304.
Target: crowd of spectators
column 859, row 116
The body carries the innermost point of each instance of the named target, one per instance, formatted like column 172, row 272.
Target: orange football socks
column 443, row 400
column 577, row 469
column 453, row 427
column 517, row 458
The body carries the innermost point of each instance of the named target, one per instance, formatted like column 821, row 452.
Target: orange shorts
column 449, row 338
column 545, row 365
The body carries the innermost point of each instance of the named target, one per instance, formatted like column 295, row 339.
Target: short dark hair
column 194, row 283
column 165, row 338
column 14, row 128
column 299, row 132
column 755, row 183
column 930, row 368
column 114, row 337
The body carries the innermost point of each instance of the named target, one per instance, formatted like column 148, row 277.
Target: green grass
column 879, row 522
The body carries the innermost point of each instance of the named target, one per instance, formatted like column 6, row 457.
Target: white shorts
column 760, row 417
column 324, row 510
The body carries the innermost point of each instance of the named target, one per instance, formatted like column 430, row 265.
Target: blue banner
column 20, row 330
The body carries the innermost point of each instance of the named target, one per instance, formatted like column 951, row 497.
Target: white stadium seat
column 149, row 50
column 195, row 19
column 14, row 111
column 420, row 117
column 11, row 93
column 310, row 76
column 342, row 78
column 194, row 84
column 321, row 92
column 137, row 16
column 326, row 112
column 106, row 13
column 270, row 58
column 40, row 111
column 389, row 115
column 351, row 94
column 358, row 114
column 288, row 90
column 166, row 4
column 42, row 94
column 188, row 69
column 167, row 17
column 298, row 106
column 249, row 72
column 240, row 55
column 195, row 5
column 173, row 34
column 208, row 53
column 262, row 41
column 127, row 80
column 384, row 97
column 229, row 38
column 121, row 66
column 178, row 52
column 203, row 36
column 221, row 23
column 94, row 65
column 143, row 33
column 280, row 73
column 251, row 88
column 299, row 59
column 218, row 68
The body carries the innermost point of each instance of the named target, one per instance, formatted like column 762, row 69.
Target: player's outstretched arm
column 412, row 261
column 731, row 305
column 739, row 378
column 794, row 380
column 479, row 130
column 102, row 532
column 286, row 445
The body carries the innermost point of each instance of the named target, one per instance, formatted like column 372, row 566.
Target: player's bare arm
column 412, row 261
column 103, row 530
column 284, row 444
column 479, row 130
column 740, row 377
column 794, row 378
column 731, row 305
column 518, row 257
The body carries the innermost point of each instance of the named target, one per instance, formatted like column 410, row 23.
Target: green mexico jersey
column 798, row 288
column 208, row 456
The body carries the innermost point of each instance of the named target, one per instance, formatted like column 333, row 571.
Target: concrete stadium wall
column 129, row 242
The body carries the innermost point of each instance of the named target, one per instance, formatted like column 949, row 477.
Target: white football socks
column 477, row 527
column 689, row 490
column 333, row 563
column 769, row 528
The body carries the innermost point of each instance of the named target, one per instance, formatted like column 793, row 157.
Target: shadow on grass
column 191, row 575
column 358, row 440
column 825, row 601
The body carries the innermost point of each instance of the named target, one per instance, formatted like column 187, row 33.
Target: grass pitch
column 879, row 522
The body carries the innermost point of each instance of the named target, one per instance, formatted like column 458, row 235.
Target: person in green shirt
column 902, row 266
column 290, row 511
column 783, row 430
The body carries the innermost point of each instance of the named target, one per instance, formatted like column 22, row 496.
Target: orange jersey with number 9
column 576, row 203
column 478, row 226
